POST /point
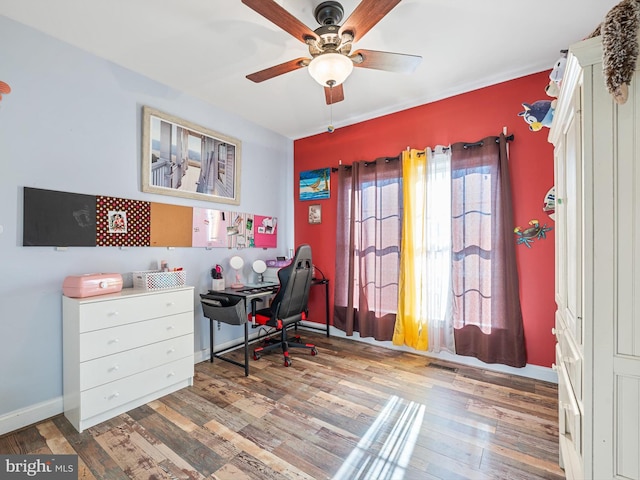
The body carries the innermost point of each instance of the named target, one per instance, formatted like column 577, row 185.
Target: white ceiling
column 206, row 48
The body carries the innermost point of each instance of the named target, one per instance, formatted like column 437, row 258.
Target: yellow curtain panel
column 411, row 327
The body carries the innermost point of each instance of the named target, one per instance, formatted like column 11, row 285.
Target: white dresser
column 597, row 177
column 123, row 350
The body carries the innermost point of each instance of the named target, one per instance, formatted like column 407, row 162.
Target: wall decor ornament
column 528, row 235
column 183, row 159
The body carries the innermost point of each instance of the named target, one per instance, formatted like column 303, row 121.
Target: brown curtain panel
column 487, row 317
column 368, row 247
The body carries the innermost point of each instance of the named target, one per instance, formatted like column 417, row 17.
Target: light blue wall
column 73, row 123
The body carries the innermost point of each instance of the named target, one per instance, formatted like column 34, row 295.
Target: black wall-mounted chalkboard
column 58, row 219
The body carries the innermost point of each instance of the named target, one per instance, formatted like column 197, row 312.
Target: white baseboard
column 30, row 415
column 536, row 372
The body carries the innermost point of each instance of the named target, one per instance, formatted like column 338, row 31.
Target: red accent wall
column 467, row 117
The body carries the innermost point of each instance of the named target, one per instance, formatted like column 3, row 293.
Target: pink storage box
column 90, row 284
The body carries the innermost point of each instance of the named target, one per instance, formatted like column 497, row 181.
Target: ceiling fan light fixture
column 330, row 69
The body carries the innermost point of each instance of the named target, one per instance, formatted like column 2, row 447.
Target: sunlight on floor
column 383, row 453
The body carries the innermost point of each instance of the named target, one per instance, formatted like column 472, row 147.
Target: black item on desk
column 290, row 303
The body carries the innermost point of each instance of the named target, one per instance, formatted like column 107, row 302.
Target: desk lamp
column 237, row 263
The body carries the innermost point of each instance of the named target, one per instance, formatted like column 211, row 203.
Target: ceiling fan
column 330, row 44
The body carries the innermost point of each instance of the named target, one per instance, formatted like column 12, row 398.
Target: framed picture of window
column 315, row 214
column 183, row 159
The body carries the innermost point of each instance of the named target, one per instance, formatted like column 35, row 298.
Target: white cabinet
column 123, row 350
column 597, row 176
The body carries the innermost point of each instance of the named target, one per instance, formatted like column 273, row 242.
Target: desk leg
column 246, row 349
column 211, row 339
column 326, row 305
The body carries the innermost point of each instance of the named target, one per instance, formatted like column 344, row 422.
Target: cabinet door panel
column 573, row 222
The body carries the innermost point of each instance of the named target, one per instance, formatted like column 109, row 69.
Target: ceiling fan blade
column 334, row 94
column 391, row 62
column 277, row 15
column 276, row 70
column 365, row 16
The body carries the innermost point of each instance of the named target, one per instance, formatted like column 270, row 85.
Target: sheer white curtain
column 437, row 265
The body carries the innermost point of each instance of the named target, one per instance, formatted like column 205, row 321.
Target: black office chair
column 289, row 305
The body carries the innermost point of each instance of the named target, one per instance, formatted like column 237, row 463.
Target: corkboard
column 171, row 225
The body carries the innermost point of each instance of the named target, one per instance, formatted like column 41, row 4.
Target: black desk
column 247, row 293
column 318, row 282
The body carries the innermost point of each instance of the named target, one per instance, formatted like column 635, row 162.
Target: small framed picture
column 117, row 221
column 315, row 214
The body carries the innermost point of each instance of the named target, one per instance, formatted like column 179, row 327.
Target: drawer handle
column 171, row 374
column 171, row 327
column 114, row 395
column 170, row 304
column 114, row 340
column 113, row 314
column 171, row 350
column 115, row 368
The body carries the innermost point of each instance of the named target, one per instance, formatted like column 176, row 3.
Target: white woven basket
column 156, row 279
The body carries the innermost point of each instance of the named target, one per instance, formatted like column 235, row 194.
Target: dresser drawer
column 569, row 355
column 571, row 358
column 112, row 395
column 114, row 367
column 98, row 314
column 569, row 413
column 100, row 343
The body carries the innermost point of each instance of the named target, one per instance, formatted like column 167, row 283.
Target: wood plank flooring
column 354, row 411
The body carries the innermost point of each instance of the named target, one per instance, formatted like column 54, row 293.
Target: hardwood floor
column 354, row 411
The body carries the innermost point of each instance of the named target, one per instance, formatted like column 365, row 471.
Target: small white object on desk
column 259, row 266
column 237, row 263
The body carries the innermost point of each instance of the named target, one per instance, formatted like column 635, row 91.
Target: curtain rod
column 479, row 144
column 371, row 162
column 508, row 138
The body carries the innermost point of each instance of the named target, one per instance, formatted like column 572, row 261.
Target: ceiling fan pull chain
column 331, row 128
